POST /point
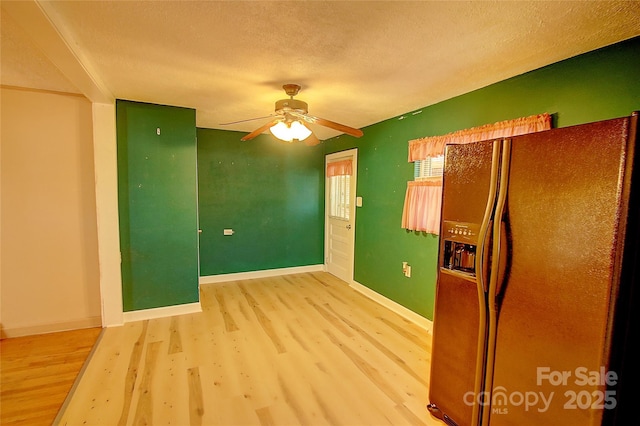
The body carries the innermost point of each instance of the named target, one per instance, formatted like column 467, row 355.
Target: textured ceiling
column 358, row 62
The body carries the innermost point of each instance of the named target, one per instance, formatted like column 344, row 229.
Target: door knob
column 349, row 226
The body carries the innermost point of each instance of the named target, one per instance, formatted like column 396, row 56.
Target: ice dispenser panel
column 460, row 242
column 460, row 256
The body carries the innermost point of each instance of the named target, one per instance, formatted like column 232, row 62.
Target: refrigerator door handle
column 501, row 264
column 496, row 254
column 482, row 274
column 484, row 234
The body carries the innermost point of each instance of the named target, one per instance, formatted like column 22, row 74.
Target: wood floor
column 302, row 349
column 37, row 372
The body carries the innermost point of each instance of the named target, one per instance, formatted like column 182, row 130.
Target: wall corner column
column 106, row 181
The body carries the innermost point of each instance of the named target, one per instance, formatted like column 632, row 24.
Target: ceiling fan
column 292, row 119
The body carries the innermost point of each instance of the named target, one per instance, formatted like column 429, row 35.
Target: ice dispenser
column 460, row 242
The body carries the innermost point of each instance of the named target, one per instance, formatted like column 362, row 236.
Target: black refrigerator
column 537, row 279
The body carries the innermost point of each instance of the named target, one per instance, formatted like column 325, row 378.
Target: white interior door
column 340, row 214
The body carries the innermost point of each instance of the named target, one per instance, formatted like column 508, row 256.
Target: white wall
column 49, row 276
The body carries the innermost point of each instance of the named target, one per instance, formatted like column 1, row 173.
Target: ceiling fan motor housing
column 284, row 105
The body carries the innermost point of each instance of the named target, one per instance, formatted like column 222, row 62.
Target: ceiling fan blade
column 331, row 124
column 259, row 130
column 248, row 119
column 312, row 140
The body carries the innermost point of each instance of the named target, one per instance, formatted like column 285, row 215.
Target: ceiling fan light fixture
column 291, row 131
column 291, row 122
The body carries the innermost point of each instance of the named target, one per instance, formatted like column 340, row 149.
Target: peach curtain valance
column 340, row 168
column 420, row 149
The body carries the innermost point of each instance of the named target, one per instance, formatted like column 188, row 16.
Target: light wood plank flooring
column 302, row 349
column 37, row 373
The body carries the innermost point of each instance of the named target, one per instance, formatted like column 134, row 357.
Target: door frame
column 337, row 156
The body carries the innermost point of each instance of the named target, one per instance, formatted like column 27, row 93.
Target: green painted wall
column 269, row 192
column 157, row 205
column 595, row 86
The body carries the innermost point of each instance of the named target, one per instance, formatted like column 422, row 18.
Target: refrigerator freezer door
column 467, row 181
column 563, row 208
column 453, row 359
column 457, row 327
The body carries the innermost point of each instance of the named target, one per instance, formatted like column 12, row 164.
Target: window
column 423, row 199
column 429, row 168
column 339, row 206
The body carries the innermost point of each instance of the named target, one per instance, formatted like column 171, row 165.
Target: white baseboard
column 222, row 278
column 89, row 322
column 419, row 320
column 165, row 311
